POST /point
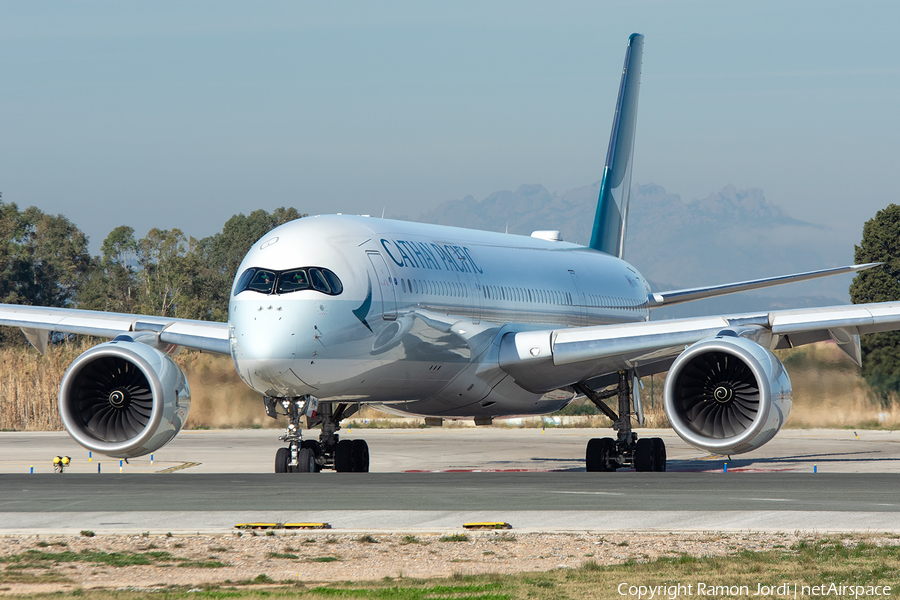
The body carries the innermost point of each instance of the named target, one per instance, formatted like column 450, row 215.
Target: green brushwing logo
column 363, row 311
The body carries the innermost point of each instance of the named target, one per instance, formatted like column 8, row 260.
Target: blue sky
column 180, row 114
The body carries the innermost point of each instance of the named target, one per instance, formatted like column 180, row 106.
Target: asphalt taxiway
column 208, row 481
column 461, row 449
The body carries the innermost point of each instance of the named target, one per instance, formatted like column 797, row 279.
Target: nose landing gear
column 329, row 452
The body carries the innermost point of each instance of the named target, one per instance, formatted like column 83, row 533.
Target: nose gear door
column 386, row 286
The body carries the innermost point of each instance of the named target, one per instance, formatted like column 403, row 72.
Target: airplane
column 334, row 312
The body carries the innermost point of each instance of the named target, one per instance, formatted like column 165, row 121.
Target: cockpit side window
column 241, row 285
column 291, row 281
column 266, row 281
column 318, row 281
column 333, row 282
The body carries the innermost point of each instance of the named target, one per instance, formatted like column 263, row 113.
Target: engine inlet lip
column 65, row 394
column 737, row 347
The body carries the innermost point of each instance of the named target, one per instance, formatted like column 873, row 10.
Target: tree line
column 45, row 261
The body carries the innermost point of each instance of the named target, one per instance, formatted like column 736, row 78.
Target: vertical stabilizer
column 615, row 190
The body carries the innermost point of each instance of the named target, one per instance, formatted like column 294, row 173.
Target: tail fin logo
column 615, row 190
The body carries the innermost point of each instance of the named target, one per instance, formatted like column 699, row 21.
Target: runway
column 533, row 480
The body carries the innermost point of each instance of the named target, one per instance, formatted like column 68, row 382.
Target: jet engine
column 124, row 399
column 727, row 395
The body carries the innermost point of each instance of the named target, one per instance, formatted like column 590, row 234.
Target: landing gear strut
column 608, row 454
column 329, row 452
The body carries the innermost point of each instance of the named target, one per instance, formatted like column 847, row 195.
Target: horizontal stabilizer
column 658, row 299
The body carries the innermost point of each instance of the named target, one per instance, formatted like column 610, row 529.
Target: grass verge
column 839, row 561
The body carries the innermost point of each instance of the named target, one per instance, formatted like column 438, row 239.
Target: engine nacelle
column 727, row 395
column 124, row 399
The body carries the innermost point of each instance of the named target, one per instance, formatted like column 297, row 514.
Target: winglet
column 615, row 190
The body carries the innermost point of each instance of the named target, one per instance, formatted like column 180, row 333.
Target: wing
column 548, row 359
column 37, row 323
column 658, row 299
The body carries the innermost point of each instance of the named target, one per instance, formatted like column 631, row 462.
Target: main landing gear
column 608, row 454
column 311, row 456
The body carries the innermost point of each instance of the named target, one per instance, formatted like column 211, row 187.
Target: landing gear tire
column 650, row 455
column 643, row 455
column 282, row 460
column 316, row 449
column 343, row 456
column 306, row 461
column 659, row 454
column 600, row 455
column 360, row 456
column 592, row 462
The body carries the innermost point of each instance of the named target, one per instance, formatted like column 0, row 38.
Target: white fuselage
column 421, row 311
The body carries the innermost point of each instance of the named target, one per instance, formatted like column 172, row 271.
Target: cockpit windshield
column 262, row 281
column 266, row 281
column 291, row 281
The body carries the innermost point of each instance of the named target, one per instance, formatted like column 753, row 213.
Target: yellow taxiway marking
column 283, row 526
column 487, row 525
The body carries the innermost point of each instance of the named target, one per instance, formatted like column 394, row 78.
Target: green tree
column 42, row 257
column 43, row 260
column 164, row 271
column 110, row 284
column 880, row 351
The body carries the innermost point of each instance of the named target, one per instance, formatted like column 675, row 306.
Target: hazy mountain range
column 730, row 235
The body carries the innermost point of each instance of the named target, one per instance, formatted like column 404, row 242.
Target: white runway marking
column 766, row 499
column 591, row 493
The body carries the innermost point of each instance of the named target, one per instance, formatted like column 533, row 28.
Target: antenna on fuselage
column 382, row 211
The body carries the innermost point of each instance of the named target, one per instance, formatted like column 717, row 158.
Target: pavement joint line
column 182, row 466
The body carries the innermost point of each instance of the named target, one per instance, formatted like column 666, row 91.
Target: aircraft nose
column 265, row 344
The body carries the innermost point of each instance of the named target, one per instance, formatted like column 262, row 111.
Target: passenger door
column 386, row 286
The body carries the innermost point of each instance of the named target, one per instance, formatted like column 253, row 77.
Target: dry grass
column 828, row 392
column 29, row 388
column 29, row 385
column 219, row 399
